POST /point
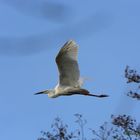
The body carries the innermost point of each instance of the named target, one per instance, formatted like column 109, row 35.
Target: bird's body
column 69, row 74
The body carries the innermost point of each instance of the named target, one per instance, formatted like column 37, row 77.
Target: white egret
column 69, row 74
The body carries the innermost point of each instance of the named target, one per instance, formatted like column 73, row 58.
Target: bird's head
column 51, row 93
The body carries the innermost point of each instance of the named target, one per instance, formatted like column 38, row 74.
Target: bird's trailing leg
column 99, row 96
column 86, row 93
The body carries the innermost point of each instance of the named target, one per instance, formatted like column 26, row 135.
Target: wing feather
column 67, row 64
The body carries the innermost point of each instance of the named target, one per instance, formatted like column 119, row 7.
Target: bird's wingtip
column 71, row 41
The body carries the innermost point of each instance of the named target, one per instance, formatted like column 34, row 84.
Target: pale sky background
column 31, row 34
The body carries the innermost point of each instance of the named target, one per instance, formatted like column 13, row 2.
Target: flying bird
column 70, row 82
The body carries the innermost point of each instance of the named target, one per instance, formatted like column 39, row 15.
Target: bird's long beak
column 41, row 92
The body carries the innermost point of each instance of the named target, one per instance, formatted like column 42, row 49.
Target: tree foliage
column 121, row 127
column 132, row 76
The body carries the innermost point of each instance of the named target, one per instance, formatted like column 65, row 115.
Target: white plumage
column 69, row 75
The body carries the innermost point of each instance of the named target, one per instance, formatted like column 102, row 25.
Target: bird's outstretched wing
column 67, row 64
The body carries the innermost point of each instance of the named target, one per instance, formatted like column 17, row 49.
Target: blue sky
column 31, row 34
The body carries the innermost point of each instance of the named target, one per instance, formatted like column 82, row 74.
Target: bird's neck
column 52, row 94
